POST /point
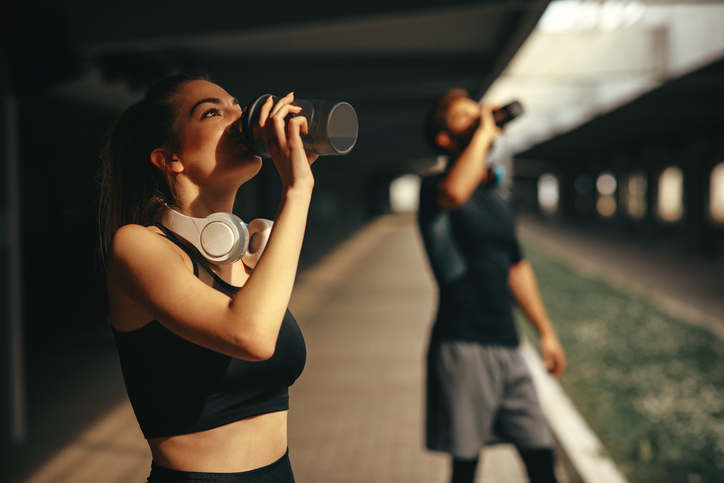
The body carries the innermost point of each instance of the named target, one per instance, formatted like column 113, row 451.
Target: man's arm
column 469, row 168
column 524, row 287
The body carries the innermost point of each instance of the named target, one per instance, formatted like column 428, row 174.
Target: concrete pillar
column 699, row 160
column 13, row 427
column 567, row 192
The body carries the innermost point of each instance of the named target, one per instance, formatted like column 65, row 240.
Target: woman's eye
column 210, row 113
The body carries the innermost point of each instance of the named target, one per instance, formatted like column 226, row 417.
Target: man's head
column 452, row 121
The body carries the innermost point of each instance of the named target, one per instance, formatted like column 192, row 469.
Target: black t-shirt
column 471, row 250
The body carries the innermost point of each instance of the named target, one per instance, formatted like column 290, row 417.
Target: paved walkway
column 357, row 410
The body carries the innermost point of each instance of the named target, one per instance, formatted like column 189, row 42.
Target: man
column 479, row 390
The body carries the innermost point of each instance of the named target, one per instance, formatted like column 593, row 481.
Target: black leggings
column 278, row 472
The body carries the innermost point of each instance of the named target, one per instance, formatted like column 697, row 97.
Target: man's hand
column 554, row 357
column 488, row 129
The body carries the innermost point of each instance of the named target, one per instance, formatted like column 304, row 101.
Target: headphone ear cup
column 224, row 239
column 259, row 231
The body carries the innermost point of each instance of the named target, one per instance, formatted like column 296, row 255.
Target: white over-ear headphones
column 222, row 238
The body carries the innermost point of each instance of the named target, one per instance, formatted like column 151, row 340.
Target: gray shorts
column 478, row 395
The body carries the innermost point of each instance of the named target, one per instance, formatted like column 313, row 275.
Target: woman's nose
column 235, row 125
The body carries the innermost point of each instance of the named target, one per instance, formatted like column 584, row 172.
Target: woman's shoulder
column 132, row 230
column 140, row 265
column 142, row 243
column 132, row 237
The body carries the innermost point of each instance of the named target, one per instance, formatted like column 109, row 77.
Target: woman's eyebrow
column 212, row 100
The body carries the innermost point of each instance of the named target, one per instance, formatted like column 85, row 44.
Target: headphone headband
column 222, row 238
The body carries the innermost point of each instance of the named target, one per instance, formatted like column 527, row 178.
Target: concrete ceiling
column 389, row 59
column 678, row 112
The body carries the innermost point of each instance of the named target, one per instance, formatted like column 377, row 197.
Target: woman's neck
column 199, row 204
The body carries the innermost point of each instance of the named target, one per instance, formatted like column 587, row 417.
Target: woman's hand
column 284, row 141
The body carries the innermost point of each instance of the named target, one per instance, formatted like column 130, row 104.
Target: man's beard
column 464, row 138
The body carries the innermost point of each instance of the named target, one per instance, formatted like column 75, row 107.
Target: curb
column 577, row 440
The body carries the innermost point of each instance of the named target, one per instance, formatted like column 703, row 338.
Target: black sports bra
column 178, row 387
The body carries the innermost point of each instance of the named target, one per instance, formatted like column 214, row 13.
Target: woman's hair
column 435, row 120
column 134, row 190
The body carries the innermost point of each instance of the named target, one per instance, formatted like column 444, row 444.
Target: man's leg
column 463, row 471
column 521, row 421
column 540, row 465
column 463, row 392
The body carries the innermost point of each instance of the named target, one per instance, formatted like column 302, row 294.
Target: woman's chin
column 247, row 159
column 248, row 155
column 249, row 167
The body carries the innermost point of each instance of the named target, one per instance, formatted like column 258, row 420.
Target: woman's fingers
column 279, row 124
column 269, row 108
column 283, row 134
column 284, row 101
column 272, row 120
column 297, row 127
column 264, row 111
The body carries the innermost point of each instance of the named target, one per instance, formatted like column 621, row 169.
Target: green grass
column 650, row 386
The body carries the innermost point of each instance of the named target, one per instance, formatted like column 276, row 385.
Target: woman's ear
column 165, row 161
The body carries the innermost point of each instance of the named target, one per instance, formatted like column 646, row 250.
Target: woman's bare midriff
column 239, row 446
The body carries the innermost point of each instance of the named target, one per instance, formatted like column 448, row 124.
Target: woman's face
column 210, row 143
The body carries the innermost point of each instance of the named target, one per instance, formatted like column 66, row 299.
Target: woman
column 207, row 351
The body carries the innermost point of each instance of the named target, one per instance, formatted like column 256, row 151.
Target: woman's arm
column 269, row 288
column 157, row 279
column 524, row 287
